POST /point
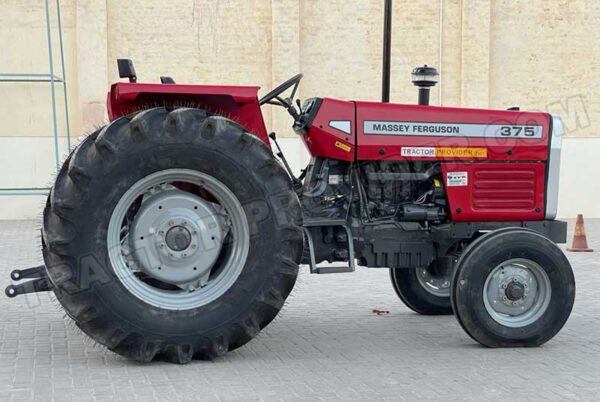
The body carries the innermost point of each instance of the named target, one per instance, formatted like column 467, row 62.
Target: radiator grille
column 504, row 189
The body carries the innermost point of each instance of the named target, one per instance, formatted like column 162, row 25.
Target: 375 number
column 517, row 131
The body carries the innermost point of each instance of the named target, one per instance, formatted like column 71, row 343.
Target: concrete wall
column 537, row 54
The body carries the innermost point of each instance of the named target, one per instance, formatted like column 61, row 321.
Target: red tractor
column 175, row 231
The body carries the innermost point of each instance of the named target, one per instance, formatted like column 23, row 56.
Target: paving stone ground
column 325, row 345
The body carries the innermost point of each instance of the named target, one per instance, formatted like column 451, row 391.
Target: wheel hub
column 176, row 237
column 516, row 292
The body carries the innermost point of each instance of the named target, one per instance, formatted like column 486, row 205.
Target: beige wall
column 491, row 53
column 537, row 54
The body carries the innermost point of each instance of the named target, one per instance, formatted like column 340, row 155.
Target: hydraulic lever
column 295, row 181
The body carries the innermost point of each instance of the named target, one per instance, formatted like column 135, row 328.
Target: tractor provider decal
column 444, row 152
column 374, row 127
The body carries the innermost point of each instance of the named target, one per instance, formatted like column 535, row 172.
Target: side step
column 39, row 283
column 336, row 269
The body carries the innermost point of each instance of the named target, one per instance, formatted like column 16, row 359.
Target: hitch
column 39, row 283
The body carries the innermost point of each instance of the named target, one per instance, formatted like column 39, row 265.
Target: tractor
column 176, row 231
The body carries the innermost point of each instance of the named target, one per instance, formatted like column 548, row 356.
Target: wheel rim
column 178, row 239
column 517, row 293
column 438, row 284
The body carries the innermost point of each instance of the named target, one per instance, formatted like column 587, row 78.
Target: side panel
column 332, row 132
column 495, row 191
column 494, row 162
column 239, row 103
column 384, row 130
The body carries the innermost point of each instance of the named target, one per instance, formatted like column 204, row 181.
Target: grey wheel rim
column 178, row 249
column 437, row 285
column 517, row 293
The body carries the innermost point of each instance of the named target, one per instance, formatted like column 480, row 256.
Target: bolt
column 504, row 286
column 526, row 286
column 171, row 223
column 184, row 254
column 184, row 223
column 161, row 245
column 194, row 246
column 161, row 232
column 504, row 298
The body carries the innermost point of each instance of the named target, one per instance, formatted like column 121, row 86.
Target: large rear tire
column 212, row 276
column 512, row 287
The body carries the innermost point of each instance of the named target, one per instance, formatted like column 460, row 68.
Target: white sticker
column 428, row 152
column 334, row 179
column 457, row 179
column 473, row 130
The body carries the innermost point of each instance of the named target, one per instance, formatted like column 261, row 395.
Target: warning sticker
column 454, row 179
column 444, row 152
column 343, row 146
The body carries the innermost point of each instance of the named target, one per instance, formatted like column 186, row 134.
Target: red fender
column 238, row 103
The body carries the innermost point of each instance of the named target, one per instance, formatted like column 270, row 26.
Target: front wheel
column 425, row 290
column 172, row 234
column 513, row 287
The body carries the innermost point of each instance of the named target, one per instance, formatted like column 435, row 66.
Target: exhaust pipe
column 387, row 47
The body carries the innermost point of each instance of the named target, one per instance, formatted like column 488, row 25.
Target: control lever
column 296, row 182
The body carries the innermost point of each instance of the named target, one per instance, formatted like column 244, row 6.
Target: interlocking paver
column 325, row 345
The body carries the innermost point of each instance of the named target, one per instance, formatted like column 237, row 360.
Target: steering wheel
column 272, row 98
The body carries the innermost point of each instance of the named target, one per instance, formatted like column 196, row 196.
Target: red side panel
column 332, row 133
column 239, row 103
column 495, row 191
column 481, row 125
column 493, row 161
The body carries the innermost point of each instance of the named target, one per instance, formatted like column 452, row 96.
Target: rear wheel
column 172, row 234
column 513, row 287
column 425, row 290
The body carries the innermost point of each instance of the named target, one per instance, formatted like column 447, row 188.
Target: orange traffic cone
column 579, row 239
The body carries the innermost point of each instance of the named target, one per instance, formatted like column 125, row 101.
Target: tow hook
column 39, row 283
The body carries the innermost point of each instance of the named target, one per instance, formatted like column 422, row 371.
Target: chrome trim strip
column 558, row 131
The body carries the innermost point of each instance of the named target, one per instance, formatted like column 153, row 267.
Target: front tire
column 513, row 287
column 425, row 290
column 182, row 158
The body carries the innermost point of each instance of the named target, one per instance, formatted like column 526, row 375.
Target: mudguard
column 238, row 103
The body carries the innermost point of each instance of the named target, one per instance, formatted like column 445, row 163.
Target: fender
column 238, row 103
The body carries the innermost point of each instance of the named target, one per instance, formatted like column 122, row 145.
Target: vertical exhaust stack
column 387, row 46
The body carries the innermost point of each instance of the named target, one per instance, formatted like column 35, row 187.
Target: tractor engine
column 386, row 202
column 403, row 191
